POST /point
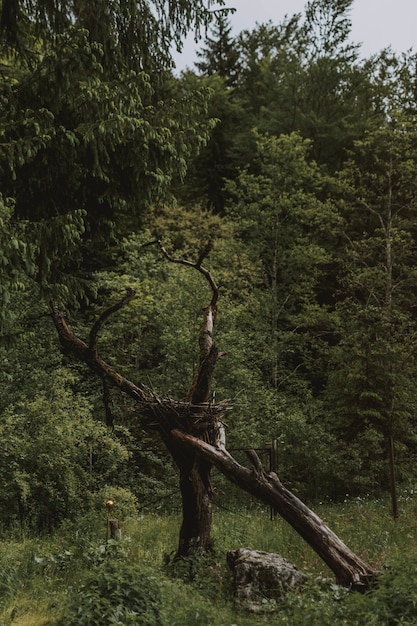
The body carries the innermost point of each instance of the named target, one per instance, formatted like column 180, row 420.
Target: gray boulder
column 261, row 579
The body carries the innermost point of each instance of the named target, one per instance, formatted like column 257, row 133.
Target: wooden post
column 109, row 506
column 115, row 530
column 274, row 465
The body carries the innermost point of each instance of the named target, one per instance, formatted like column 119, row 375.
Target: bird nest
column 165, row 413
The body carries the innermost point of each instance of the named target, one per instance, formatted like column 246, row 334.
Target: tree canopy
column 286, row 148
column 92, row 132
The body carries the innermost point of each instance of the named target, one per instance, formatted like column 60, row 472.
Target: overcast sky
column 376, row 24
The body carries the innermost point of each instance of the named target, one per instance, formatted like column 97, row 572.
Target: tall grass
column 41, row 577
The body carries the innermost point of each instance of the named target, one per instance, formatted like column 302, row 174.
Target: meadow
column 76, row 578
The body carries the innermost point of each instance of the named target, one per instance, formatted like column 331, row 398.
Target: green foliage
column 208, row 574
column 133, row 34
column 16, row 261
column 220, row 56
column 115, row 594
column 282, row 212
column 83, row 154
column 391, row 601
column 219, row 158
column 304, row 75
column 55, row 455
column 316, row 270
column 369, row 395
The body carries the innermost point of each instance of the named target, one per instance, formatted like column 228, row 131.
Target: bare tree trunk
column 197, row 500
column 349, row 569
column 195, row 472
column 197, row 508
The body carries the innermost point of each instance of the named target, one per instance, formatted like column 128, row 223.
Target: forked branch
column 207, row 275
column 87, row 353
column 209, row 354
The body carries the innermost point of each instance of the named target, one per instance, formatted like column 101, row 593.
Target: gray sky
column 376, row 24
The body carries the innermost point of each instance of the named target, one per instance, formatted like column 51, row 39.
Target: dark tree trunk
column 197, row 500
column 196, row 494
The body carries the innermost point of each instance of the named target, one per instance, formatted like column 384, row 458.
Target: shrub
column 55, row 457
column 208, row 574
column 115, row 594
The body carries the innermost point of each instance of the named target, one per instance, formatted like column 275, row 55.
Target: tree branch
column 71, row 344
column 209, row 354
column 197, row 266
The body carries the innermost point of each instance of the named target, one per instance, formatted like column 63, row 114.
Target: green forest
column 283, row 165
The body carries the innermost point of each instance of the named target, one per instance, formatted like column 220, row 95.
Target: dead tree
column 193, row 432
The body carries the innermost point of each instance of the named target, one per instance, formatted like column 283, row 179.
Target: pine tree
column 374, row 363
column 281, row 211
column 305, row 75
column 220, row 55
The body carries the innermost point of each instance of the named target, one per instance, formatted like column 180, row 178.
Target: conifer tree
column 220, row 54
column 374, row 364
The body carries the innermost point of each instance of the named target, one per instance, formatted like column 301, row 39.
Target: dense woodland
column 288, row 151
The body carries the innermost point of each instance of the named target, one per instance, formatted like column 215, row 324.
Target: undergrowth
column 76, row 578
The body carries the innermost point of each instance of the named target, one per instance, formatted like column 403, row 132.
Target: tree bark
column 349, row 569
column 196, row 498
column 197, row 507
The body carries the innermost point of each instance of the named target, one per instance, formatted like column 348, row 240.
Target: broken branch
column 198, row 267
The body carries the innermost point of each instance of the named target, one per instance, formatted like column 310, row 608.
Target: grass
column 40, row 577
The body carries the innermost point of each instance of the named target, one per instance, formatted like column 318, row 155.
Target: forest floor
column 74, row 577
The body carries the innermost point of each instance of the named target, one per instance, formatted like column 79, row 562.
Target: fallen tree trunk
column 349, row 569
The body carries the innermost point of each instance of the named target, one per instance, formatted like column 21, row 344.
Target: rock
column 261, row 579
